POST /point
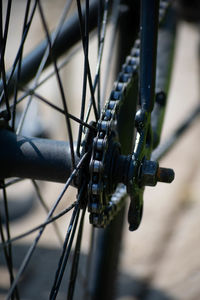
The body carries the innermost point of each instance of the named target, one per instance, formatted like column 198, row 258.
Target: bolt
column 148, row 173
column 161, row 98
column 140, row 119
column 151, row 173
column 165, row 175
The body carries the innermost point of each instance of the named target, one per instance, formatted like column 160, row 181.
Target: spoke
column 66, row 251
column 100, row 53
column 3, row 48
column 62, row 65
column 93, row 103
column 5, row 249
column 85, row 45
column 44, row 100
column 29, row 91
column 28, row 256
column 44, row 58
column 82, row 120
column 112, row 39
column 46, row 208
column 76, row 258
column 31, row 231
column 60, row 109
column 8, row 248
column 5, row 93
column 20, row 49
column 59, row 83
column 93, row 86
column 100, row 5
column 13, row 181
column 19, row 65
column 1, row 24
column 52, row 39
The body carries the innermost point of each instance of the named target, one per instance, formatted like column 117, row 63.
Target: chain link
column 102, row 206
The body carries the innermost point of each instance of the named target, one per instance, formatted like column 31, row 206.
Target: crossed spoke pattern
column 16, row 101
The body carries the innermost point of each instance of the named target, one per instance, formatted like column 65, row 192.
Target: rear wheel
column 35, row 102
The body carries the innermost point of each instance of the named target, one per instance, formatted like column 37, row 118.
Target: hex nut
column 149, row 173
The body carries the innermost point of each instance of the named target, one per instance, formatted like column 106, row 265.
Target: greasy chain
column 103, row 207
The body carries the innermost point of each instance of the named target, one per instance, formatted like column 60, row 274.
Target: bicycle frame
column 49, row 160
column 52, row 158
column 36, row 151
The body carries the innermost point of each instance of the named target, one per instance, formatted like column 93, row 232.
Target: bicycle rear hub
column 50, row 160
column 108, row 172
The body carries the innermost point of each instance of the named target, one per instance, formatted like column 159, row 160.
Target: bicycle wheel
column 26, row 99
column 93, row 157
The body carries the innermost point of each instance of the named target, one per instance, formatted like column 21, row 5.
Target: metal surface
column 113, row 168
column 50, row 160
column 35, row 158
column 142, row 176
column 148, row 35
column 103, row 282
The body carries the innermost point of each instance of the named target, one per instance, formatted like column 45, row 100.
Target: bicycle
column 101, row 163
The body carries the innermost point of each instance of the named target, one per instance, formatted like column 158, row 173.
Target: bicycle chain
column 102, row 206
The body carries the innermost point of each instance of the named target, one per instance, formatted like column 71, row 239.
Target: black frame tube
column 34, row 158
column 148, row 34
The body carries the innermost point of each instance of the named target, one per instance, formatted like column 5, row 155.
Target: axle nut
column 151, row 173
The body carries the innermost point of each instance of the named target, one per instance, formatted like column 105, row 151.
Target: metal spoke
column 76, row 258
column 44, row 60
column 46, row 208
column 66, row 251
column 19, row 66
column 34, row 229
column 36, row 240
column 68, row 124
column 13, row 181
column 87, row 69
column 3, row 48
column 112, row 39
column 86, row 64
column 8, row 248
column 100, row 5
column 19, row 50
column 66, row 60
column 100, row 53
column 29, row 91
column 93, row 103
column 44, row 100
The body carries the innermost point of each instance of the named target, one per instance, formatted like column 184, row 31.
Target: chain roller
column 102, row 205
